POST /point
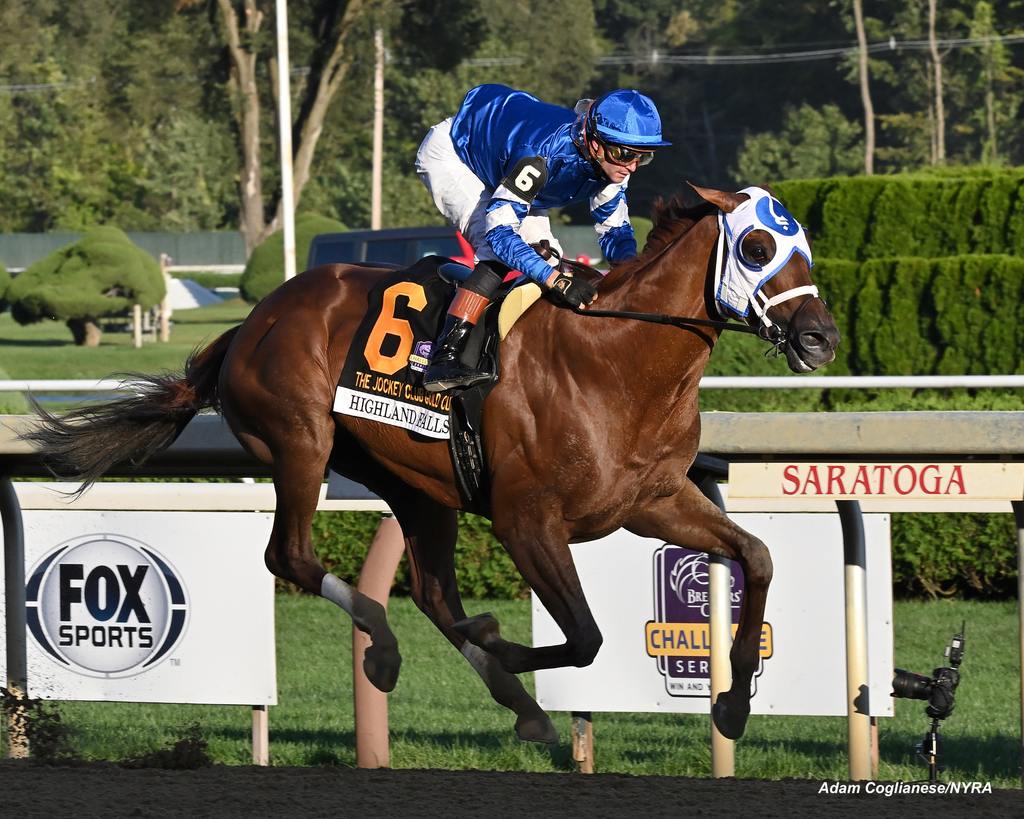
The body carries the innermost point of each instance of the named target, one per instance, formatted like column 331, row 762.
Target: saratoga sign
column 860, row 480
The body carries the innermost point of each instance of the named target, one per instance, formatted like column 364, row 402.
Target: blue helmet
column 626, row 117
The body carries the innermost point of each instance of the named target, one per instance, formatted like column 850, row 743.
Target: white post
column 378, row 131
column 284, row 117
column 137, row 325
column 165, row 305
column 857, row 691
column 723, row 756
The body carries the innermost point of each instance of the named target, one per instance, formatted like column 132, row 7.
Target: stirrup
column 442, row 377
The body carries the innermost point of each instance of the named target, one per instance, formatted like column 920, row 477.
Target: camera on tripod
column 939, row 690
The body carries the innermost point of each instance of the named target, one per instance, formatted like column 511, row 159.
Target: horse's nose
column 819, row 341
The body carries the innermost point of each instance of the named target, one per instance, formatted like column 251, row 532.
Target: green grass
column 45, row 350
column 442, row 717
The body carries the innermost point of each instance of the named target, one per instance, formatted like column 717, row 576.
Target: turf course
column 442, row 717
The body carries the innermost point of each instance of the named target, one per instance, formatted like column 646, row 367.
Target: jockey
column 498, row 165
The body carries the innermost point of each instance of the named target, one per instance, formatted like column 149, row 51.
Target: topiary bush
column 265, row 269
column 102, row 274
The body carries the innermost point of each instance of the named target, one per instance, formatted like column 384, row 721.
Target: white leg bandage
column 338, row 592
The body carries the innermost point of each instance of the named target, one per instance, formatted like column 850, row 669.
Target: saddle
column 382, row 378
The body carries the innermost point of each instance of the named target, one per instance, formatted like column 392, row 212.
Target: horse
column 592, row 428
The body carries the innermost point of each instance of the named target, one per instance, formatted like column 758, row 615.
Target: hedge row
column 961, row 314
column 929, row 215
column 482, row 567
column 932, row 555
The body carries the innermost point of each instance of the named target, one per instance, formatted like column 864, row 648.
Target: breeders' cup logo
column 420, row 357
column 106, row 605
column 679, row 636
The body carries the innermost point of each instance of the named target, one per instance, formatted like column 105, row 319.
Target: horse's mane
column 671, row 220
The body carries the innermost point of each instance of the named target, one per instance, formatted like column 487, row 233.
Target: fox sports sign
column 106, row 605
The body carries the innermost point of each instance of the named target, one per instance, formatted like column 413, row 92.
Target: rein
column 772, row 334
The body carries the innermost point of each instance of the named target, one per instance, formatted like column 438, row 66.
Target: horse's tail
column 85, row 443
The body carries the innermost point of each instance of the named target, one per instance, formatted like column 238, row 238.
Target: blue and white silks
column 495, row 128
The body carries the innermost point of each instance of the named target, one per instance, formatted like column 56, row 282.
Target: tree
column 939, row 156
column 998, row 81
column 102, row 274
column 813, row 143
column 865, row 88
column 329, row 36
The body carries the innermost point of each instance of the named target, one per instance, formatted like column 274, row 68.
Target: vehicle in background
column 397, row 246
column 404, row 246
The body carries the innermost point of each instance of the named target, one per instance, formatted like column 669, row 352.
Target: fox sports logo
column 106, row 605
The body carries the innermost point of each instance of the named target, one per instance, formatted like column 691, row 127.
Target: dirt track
column 28, row 790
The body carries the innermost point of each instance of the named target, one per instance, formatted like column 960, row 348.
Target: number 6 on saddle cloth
column 383, row 374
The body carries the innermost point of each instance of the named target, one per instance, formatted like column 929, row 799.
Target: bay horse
column 591, row 428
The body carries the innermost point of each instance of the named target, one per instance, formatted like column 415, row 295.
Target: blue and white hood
column 738, row 281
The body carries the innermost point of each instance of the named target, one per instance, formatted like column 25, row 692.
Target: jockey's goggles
column 622, row 155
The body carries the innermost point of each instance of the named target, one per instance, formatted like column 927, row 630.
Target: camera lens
column 911, row 686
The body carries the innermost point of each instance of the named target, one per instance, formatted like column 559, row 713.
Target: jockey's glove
column 568, row 291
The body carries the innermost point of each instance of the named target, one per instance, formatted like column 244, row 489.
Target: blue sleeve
column 503, row 217
column 618, row 244
column 611, row 221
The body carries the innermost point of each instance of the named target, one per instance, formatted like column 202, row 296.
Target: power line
column 656, row 57
column 653, row 58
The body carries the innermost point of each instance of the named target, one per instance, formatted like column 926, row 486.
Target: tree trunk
column 247, row 116
column 315, row 109
column 85, row 332
column 940, row 113
column 865, row 89
column 254, row 225
column 991, row 154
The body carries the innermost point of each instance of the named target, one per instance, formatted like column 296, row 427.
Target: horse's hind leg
column 430, row 531
column 298, row 474
column 691, row 520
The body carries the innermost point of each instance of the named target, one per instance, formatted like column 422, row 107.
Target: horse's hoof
column 482, row 630
column 381, row 665
column 730, row 717
column 537, row 728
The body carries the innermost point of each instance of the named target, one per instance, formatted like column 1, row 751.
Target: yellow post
column 371, row 705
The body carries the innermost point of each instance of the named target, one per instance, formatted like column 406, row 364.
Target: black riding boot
column 446, row 369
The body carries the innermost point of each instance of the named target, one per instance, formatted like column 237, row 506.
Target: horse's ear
column 723, row 200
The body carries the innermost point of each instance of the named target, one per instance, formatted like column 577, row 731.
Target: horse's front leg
column 538, row 543
column 689, row 519
column 430, row 531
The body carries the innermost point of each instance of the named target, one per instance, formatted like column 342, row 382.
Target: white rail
column 720, row 382
column 916, row 382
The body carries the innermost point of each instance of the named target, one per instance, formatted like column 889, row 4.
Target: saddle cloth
column 382, row 378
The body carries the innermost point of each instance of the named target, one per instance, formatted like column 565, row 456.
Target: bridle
column 765, row 329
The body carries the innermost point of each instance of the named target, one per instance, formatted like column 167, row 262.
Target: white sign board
column 149, row 607
column 650, row 602
column 921, row 482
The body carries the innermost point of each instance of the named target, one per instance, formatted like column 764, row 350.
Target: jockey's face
column 616, row 168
